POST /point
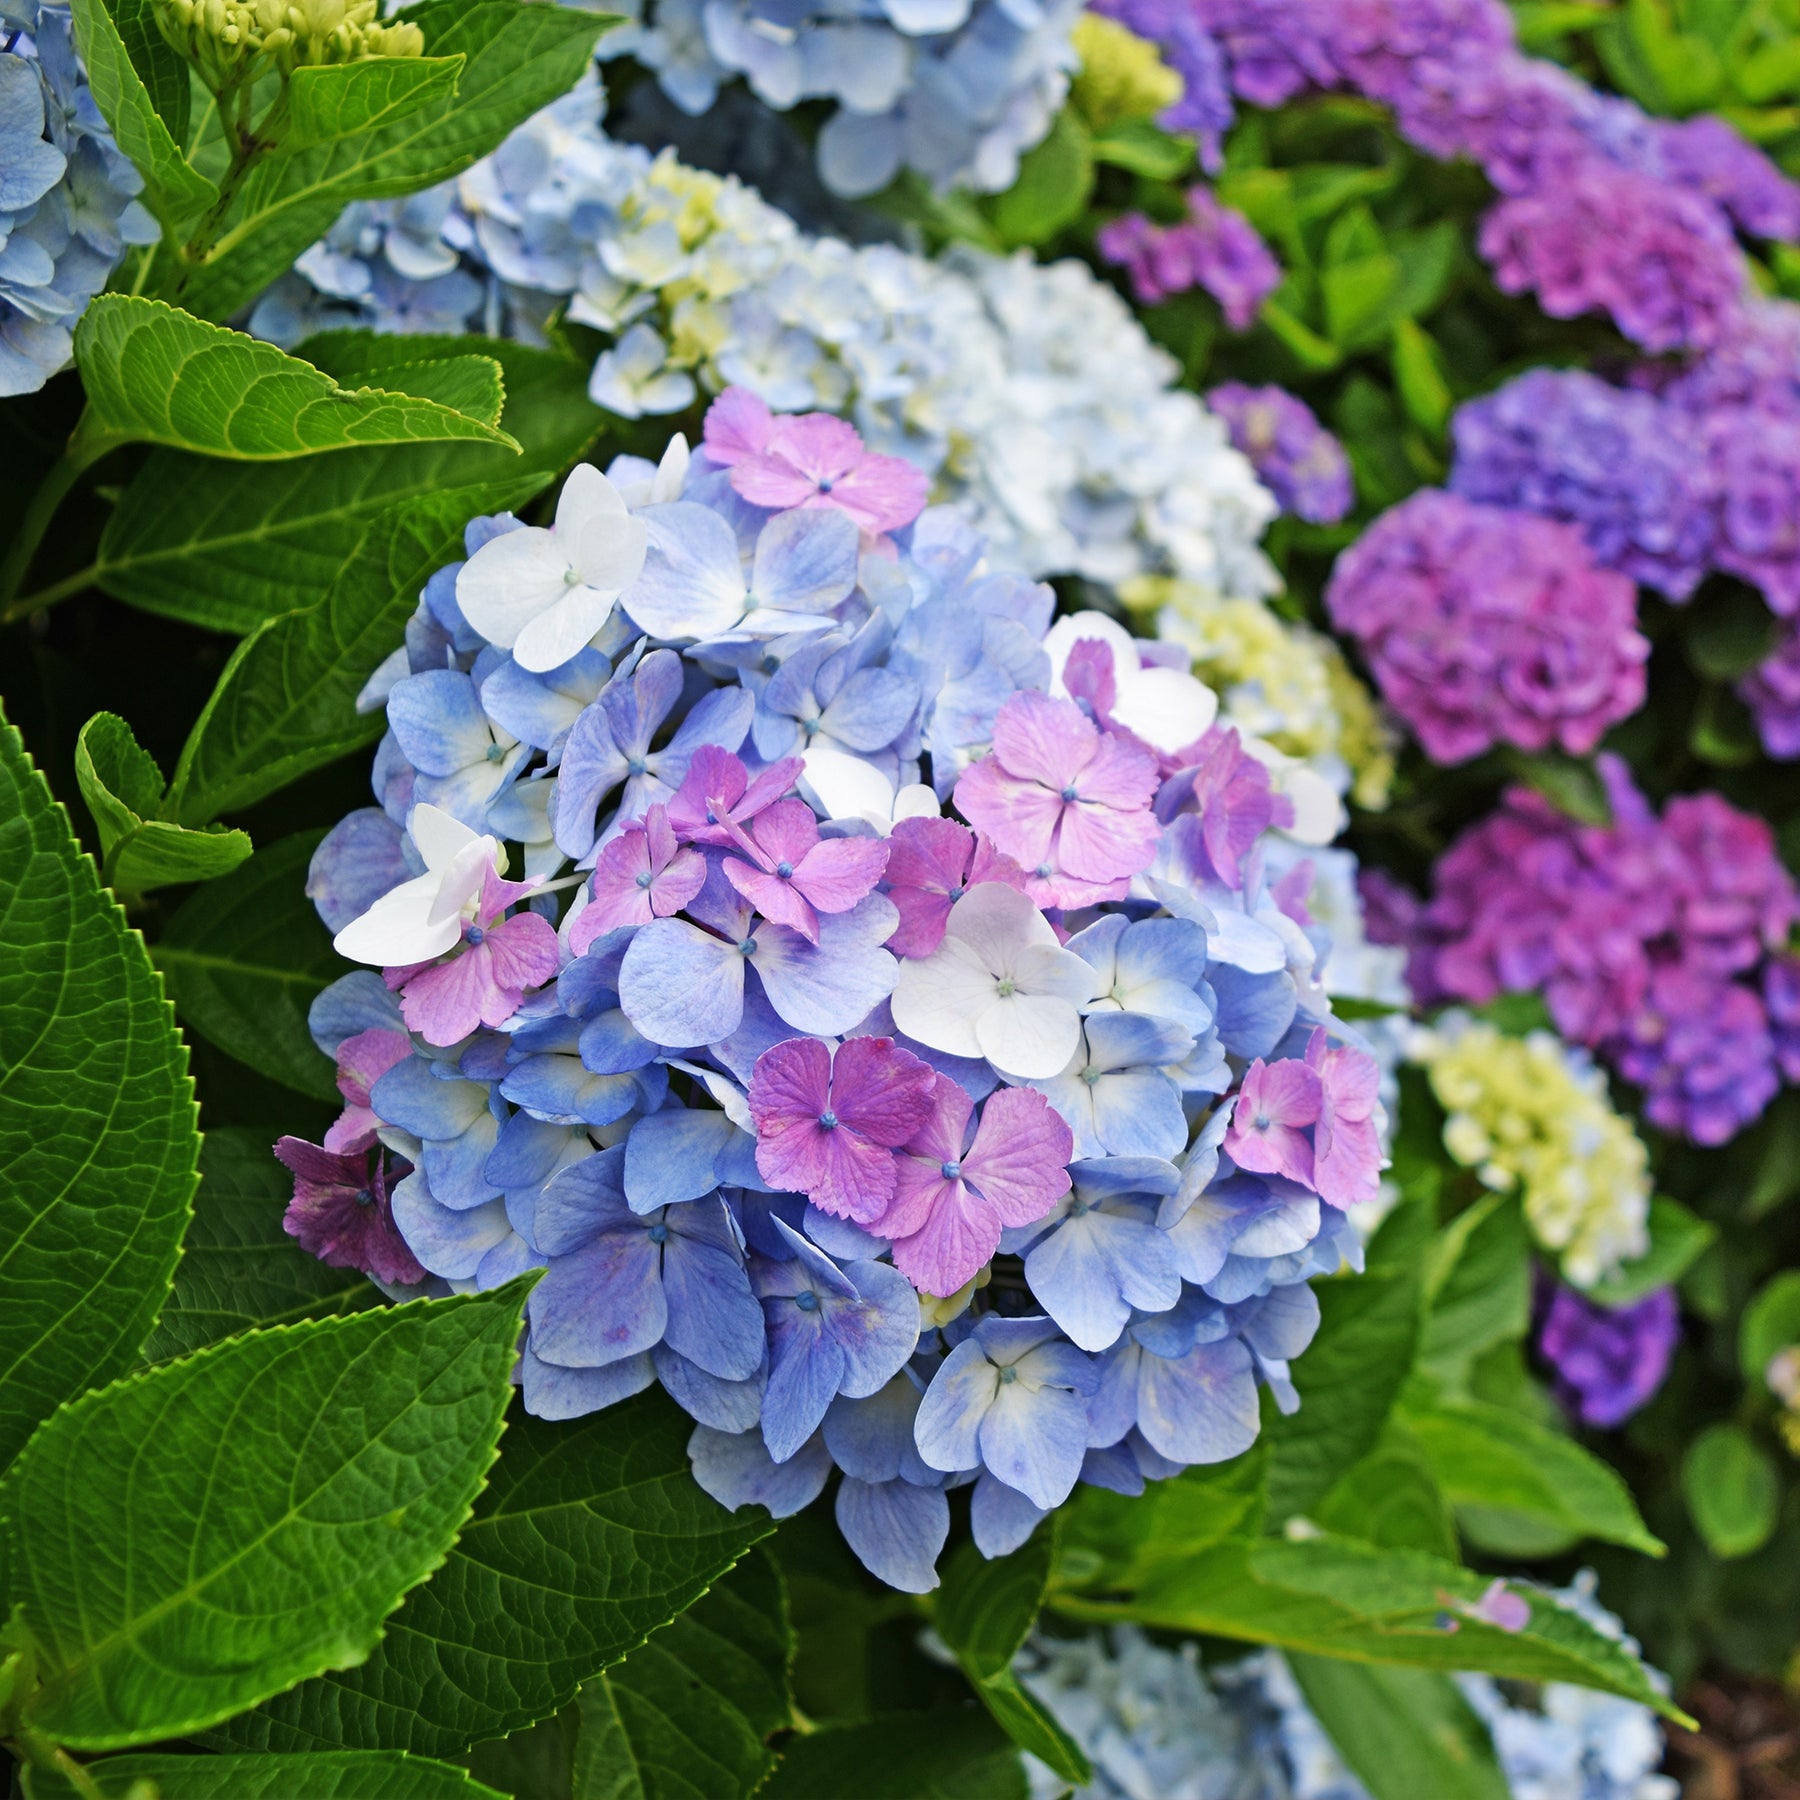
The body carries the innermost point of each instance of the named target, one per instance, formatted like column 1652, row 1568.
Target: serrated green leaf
column 333, row 1775
column 228, row 545
column 286, row 701
column 1349, row 1378
column 690, row 1712
column 1478, row 1288
column 472, row 383
column 162, row 68
column 343, row 100
column 157, row 375
column 243, row 959
column 1405, row 1733
column 1678, row 1238
column 1732, row 1489
column 1391, row 1498
column 123, row 786
column 1055, row 179
column 589, row 1535
column 1332, row 1596
column 985, row 1611
column 238, row 1268
column 940, row 1755
column 98, row 1145
column 205, row 1534
column 517, row 59
column 1498, row 1461
column 177, row 194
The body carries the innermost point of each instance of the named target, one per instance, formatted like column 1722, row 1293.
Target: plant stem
column 39, row 1751
column 27, row 604
column 52, row 491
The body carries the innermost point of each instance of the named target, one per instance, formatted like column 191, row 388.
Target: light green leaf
column 517, row 59
column 1391, row 1498
column 985, row 1611
column 98, row 1144
column 1732, row 1489
column 194, row 1539
column 1406, row 1733
column 164, row 71
column 176, row 193
column 244, row 957
column 1359, row 298
column 123, row 788
column 1567, row 782
column 228, row 545
column 472, row 382
column 286, row 701
column 238, row 1268
column 589, row 1535
column 1678, row 1238
column 1313, row 353
column 1349, row 1378
column 1419, row 377
column 1144, row 149
column 690, row 1712
column 942, row 1755
column 1490, row 1460
column 1771, row 1322
column 1478, row 1288
column 334, row 1775
column 345, row 100
column 1055, row 179
column 157, row 375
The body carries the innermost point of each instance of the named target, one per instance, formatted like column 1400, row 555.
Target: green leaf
column 940, row 1755
column 1143, row 148
column 123, row 789
column 1542, row 24
column 162, row 68
column 1391, row 1498
column 334, row 1775
column 157, row 375
column 1359, row 298
column 1732, row 1489
column 1313, row 353
column 1332, row 1596
column 243, row 959
column 473, row 383
column 1489, row 1459
column 1517, row 1014
column 589, row 1535
column 1349, row 1379
column 1054, row 182
column 1678, row 1238
column 1769, row 72
column 1567, row 782
column 228, row 545
column 1478, row 1288
column 345, row 100
column 1419, row 377
column 517, row 59
column 238, row 1268
column 285, row 703
column 1404, row 1732
column 192, row 1540
column 176, row 193
column 98, row 1144
column 1771, row 1323
column 690, row 1711
column 985, row 1611
column 1730, row 635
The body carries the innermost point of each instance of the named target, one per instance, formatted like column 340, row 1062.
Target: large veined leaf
column 243, row 958
column 588, row 1536
column 985, row 1610
column 939, row 1755
column 331, row 1775
column 98, row 1144
column 1405, row 1732
column 342, row 100
column 238, row 1268
column 1391, row 1498
column 516, row 59
column 228, row 545
column 1478, row 1288
column 157, row 375
column 202, row 1535
column 286, row 701
column 690, row 1712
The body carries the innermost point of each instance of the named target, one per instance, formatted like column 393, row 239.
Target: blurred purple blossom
column 1608, row 1360
column 1294, row 456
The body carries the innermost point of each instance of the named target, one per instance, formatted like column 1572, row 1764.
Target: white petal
column 1318, row 812
column 439, row 835
column 1067, row 632
column 564, row 630
column 398, row 928
column 916, row 801
column 1165, row 707
column 671, row 472
column 1027, row 1036
column 596, row 531
column 938, row 998
column 844, row 786
column 1059, row 974
column 997, row 922
column 510, row 580
column 461, row 882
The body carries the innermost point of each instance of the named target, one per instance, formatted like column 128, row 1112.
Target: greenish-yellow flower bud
column 1121, row 76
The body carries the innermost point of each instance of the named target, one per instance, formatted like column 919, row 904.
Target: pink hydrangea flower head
column 1346, row 1145
column 1069, row 803
column 952, row 1198
column 818, row 459
column 362, row 1060
column 828, row 1126
column 1270, row 1129
column 485, row 978
column 793, row 875
column 645, row 873
column 340, row 1210
column 932, row 863
column 717, row 793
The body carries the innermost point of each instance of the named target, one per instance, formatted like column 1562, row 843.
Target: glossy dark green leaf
column 940, row 1755
column 98, row 1144
column 331, row 1775
column 243, row 958
column 202, row 1535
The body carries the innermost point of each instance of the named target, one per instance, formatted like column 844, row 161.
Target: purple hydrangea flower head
column 1781, row 995
column 1772, row 692
column 1755, row 469
column 1486, row 626
column 1213, row 248
column 1205, row 107
column 1608, row 1361
column 1295, row 457
column 341, row 1210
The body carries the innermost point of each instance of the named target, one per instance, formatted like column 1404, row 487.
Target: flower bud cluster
column 232, row 41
